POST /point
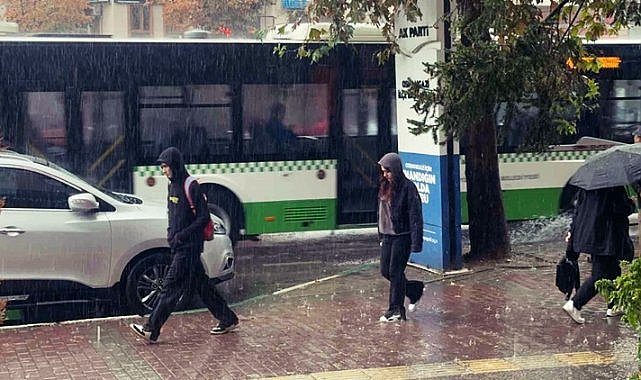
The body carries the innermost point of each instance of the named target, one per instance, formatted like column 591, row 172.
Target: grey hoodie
column 392, row 162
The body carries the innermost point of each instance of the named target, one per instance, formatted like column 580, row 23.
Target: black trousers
column 602, row 267
column 395, row 251
column 186, row 274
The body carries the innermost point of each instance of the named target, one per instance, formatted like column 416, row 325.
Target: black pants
column 395, row 252
column 186, row 274
column 602, row 267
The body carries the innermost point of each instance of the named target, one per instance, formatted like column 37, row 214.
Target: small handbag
column 567, row 276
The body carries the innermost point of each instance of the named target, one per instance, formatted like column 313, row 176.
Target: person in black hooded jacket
column 184, row 235
column 400, row 228
column 599, row 228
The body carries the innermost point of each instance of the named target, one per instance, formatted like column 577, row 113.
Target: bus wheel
column 145, row 283
column 225, row 206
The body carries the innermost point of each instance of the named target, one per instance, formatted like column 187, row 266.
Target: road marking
column 292, row 263
column 468, row 367
column 318, row 281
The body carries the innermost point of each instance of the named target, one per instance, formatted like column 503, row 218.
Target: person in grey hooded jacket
column 400, row 229
column 185, row 238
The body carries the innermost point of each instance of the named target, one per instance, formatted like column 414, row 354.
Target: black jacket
column 185, row 228
column 405, row 206
column 600, row 223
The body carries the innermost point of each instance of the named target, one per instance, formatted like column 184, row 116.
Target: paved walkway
column 497, row 321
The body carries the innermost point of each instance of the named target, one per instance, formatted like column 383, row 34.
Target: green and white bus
column 279, row 144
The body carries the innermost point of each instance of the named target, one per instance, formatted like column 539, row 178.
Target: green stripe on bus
column 290, row 216
column 13, row 315
column 524, row 204
column 244, row 167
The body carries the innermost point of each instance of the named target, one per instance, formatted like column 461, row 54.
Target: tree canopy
column 237, row 17
column 56, row 16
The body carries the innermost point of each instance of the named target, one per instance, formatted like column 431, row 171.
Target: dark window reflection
column 26, row 189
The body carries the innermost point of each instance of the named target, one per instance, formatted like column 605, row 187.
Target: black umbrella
column 616, row 166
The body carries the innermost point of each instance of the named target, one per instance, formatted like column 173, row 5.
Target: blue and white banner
column 425, row 161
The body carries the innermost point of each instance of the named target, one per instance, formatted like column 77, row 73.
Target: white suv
column 64, row 240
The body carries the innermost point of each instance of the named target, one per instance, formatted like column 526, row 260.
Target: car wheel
column 145, row 283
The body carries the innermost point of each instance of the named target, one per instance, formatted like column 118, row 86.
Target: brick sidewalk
column 496, row 321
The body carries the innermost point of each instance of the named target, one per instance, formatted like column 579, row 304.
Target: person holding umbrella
column 600, row 225
column 636, row 138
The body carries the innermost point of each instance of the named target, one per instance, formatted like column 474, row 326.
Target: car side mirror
column 83, row 202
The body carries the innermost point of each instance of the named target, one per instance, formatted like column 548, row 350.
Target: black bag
column 627, row 251
column 567, row 276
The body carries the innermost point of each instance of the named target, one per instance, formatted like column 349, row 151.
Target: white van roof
column 362, row 32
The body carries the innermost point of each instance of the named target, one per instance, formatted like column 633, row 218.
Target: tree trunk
column 486, row 215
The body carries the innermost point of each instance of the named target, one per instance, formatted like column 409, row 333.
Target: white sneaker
column 573, row 312
column 414, row 303
column 614, row 312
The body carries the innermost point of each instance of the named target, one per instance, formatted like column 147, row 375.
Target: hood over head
column 172, row 157
column 392, row 162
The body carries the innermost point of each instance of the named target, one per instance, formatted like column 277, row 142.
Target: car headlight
column 219, row 229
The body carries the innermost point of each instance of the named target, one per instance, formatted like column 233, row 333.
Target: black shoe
column 393, row 316
column 223, row 328
column 144, row 332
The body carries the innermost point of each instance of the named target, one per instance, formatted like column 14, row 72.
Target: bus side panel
column 531, row 183
column 290, row 216
column 524, row 204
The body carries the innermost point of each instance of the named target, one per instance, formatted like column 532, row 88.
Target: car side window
column 26, row 189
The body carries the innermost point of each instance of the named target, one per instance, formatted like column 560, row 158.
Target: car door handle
column 11, row 231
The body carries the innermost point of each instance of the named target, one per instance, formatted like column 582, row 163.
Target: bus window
column 285, row 120
column 360, row 116
column 44, row 123
column 622, row 111
column 196, row 119
column 512, row 136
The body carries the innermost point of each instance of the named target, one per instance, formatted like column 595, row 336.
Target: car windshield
column 124, row 198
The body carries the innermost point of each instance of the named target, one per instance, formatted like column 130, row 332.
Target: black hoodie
column 183, row 224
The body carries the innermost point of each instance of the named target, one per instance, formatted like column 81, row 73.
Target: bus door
column 358, row 171
column 102, row 120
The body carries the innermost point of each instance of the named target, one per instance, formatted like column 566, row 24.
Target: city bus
column 279, row 144
column 533, row 183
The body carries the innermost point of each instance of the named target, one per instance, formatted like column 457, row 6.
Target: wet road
column 263, row 266
column 275, row 262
